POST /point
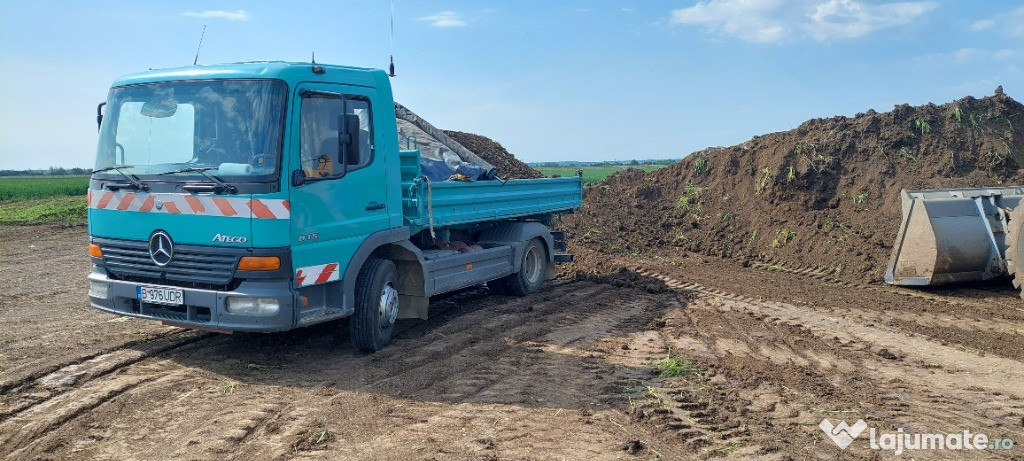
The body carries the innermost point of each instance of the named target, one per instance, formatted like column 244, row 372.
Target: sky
column 565, row 80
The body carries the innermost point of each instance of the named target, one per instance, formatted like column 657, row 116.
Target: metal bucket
column 952, row 235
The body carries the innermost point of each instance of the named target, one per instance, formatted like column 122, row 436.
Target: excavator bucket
column 952, row 235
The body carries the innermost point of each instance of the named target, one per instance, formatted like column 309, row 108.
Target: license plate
column 158, row 295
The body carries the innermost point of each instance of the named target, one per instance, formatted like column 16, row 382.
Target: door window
column 319, row 120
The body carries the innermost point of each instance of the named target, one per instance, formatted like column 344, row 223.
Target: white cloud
column 965, row 56
column 239, row 15
column 444, row 19
column 773, row 21
column 984, row 24
column 842, row 19
column 750, row 20
column 1010, row 24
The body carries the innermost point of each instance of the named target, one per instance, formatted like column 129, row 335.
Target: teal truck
column 271, row 196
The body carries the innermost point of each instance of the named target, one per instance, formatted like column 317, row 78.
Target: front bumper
column 202, row 309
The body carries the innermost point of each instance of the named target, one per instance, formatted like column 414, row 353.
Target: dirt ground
column 563, row 374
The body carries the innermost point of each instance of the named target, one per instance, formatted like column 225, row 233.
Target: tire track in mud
column 37, row 404
column 490, row 363
column 990, row 401
column 1011, row 301
column 985, row 328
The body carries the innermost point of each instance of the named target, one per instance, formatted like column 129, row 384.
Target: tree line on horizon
column 52, row 171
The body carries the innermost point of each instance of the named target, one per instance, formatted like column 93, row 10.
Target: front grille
column 192, row 266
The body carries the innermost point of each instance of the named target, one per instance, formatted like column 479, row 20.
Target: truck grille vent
column 191, row 266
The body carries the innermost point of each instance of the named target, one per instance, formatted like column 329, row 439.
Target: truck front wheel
column 532, row 271
column 376, row 305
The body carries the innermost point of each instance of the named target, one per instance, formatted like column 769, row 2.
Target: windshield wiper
column 133, row 180
column 205, row 171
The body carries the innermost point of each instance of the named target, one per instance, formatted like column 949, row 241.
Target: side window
column 319, row 121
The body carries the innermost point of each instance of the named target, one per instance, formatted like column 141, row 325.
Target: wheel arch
column 519, row 234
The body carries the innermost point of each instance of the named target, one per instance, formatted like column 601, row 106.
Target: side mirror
column 99, row 115
column 298, row 177
column 348, row 130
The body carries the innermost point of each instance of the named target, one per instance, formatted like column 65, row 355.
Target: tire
column 376, row 305
column 532, row 271
column 1015, row 247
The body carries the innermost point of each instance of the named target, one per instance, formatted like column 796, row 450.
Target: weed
column 923, row 126
column 766, row 175
column 995, row 157
column 791, row 174
column 606, row 188
column 682, row 238
column 958, row 114
column 1009, row 152
column 976, row 123
column 782, row 237
column 591, row 231
column 672, row 366
column 906, row 154
column 230, row 388
column 753, row 237
column 727, row 216
column 312, row 439
column 700, row 166
column 683, row 203
column 815, row 409
column 860, row 199
column 809, row 152
column 828, row 223
column 730, row 447
column 258, row 367
column 693, row 190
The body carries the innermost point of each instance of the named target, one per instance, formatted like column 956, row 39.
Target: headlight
column 98, row 289
column 253, row 306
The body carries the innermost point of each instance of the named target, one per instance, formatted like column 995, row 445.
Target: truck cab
column 269, row 196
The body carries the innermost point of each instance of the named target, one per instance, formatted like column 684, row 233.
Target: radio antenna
column 391, row 68
column 200, row 45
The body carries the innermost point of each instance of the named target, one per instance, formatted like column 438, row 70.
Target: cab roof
column 291, row 72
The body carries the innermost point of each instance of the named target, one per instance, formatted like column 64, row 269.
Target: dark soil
column 508, row 165
column 824, row 195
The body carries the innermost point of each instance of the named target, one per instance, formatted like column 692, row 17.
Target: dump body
column 455, row 203
column 952, row 235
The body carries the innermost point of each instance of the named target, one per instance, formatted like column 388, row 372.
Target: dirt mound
column 508, row 166
column 825, row 194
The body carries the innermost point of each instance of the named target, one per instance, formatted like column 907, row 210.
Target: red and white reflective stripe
column 232, row 207
column 312, row 275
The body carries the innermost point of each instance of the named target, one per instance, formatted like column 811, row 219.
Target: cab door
column 342, row 197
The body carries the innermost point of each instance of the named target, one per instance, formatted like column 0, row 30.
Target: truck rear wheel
column 532, row 271
column 376, row 305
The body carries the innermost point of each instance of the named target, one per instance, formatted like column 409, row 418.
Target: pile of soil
column 508, row 165
column 824, row 195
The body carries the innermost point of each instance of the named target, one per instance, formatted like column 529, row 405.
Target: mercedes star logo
column 161, row 249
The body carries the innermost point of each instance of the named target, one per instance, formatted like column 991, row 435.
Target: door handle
column 374, row 206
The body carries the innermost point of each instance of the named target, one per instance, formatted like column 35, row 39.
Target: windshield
column 232, row 128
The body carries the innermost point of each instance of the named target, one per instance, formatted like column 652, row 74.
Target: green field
column 43, row 200
column 592, row 173
column 62, row 210
column 45, row 187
